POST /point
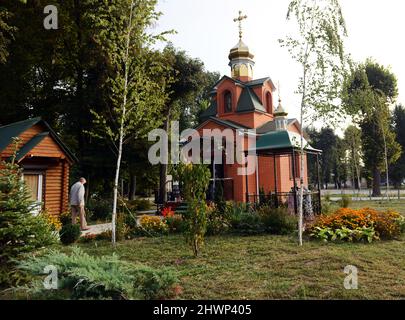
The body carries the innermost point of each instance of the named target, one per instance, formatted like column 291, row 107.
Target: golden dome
column 241, row 50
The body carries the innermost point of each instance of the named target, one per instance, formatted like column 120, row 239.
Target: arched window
column 228, row 101
column 269, row 103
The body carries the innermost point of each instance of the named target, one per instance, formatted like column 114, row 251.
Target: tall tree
column 186, row 94
column 352, row 140
column 135, row 76
column 318, row 48
column 368, row 92
column 398, row 169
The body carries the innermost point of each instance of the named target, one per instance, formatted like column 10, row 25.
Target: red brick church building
column 240, row 102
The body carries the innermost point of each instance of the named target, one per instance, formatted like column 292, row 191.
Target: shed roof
column 13, row 130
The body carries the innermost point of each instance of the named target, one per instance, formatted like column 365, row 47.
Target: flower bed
column 358, row 225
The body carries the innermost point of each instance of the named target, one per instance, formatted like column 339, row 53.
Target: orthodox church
column 241, row 103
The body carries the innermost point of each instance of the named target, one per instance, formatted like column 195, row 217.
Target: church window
column 269, row 103
column 228, row 101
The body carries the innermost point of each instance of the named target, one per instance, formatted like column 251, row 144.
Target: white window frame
column 38, row 202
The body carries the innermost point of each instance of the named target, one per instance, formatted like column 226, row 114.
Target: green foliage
column 81, row 276
column 319, row 49
column 345, row 201
column 327, row 207
column 265, row 220
column 219, row 199
column 247, row 223
column 195, row 180
column 217, row 220
column 20, row 230
column 6, row 33
column 99, row 209
column 367, row 93
column 139, row 205
column 176, row 224
column 333, row 160
column 397, row 172
column 65, row 218
column 123, row 229
column 70, row 233
column 277, row 220
column 364, row 234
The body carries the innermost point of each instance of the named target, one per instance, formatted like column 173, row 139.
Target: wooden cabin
column 45, row 161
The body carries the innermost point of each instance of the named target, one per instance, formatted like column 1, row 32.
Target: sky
column 206, row 30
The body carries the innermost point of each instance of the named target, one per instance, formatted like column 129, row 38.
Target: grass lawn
column 397, row 205
column 271, row 267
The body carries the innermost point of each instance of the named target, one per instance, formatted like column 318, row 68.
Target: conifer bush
column 81, row 276
column 20, row 230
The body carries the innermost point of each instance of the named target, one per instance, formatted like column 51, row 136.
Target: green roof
column 279, row 140
column 31, row 144
column 13, row 130
column 249, row 101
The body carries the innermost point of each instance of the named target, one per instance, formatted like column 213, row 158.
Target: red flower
column 167, row 212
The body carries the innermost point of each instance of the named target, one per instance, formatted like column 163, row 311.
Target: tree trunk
column 162, row 189
column 132, row 191
column 163, row 168
column 386, row 166
column 376, row 183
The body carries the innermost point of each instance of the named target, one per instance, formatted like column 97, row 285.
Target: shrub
column 175, row 224
column 386, row 225
column 81, row 276
column 69, row 233
column 65, row 218
column 246, row 223
column 345, row 201
column 277, row 220
column 217, row 220
column 195, row 179
column 122, row 228
column 151, row 226
column 20, row 231
column 99, row 209
column 235, row 209
column 219, row 198
column 139, row 205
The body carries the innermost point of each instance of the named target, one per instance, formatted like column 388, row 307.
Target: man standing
column 77, row 203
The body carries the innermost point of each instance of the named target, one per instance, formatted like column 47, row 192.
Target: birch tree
column 136, row 77
column 317, row 46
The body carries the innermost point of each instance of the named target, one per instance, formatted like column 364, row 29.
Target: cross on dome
column 239, row 20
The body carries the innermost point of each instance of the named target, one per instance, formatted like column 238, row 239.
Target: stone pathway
column 98, row 228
